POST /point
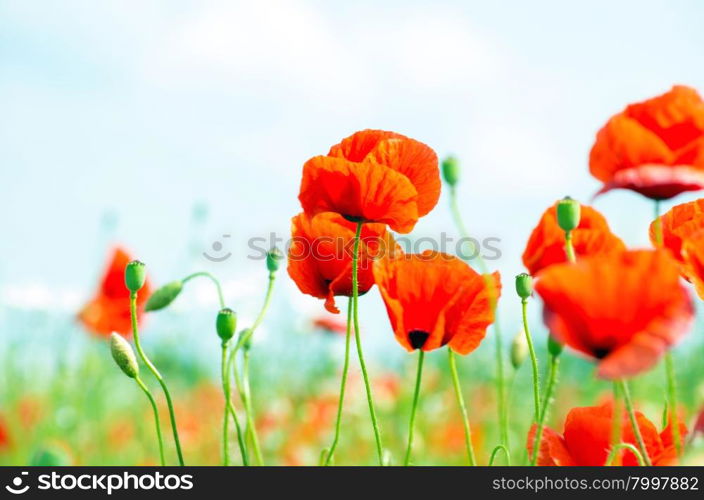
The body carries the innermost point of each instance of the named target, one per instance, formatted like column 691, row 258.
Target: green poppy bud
column 568, row 214
column 524, row 285
column 226, row 324
column 554, row 347
column 123, row 355
column 451, row 170
column 135, row 275
column 273, row 259
column 519, row 350
column 164, row 296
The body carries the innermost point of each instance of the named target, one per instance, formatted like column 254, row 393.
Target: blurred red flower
column 587, row 439
column 435, row 299
column 624, row 309
column 373, row 176
column 5, row 440
column 320, row 255
column 109, row 310
column 546, row 245
column 654, row 147
column 329, row 324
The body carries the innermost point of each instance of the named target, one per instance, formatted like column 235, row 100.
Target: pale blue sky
column 142, row 109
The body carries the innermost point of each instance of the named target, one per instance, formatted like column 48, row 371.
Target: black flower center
column 417, row 338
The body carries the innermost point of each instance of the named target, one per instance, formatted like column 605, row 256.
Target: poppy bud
column 164, row 296
column 451, row 170
column 273, row 259
column 123, row 355
column 524, row 285
column 226, row 324
column 135, row 275
column 568, row 214
column 554, row 347
column 519, row 350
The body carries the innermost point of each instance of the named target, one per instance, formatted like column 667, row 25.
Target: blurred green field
column 63, row 401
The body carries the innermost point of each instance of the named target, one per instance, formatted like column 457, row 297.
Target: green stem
column 226, row 417
column 463, row 408
column 251, row 430
column 212, row 278
column 552, row 377
column 569, row 248
column 671, row 378
column 634, row 422
column 155, row 372
column 156, row 418
column 496, row 449
column 627, row 446
column 343, row 384
column 533, row 360
column 231, row 408
column 414, row 408
column 498, row 342
column 358, row 342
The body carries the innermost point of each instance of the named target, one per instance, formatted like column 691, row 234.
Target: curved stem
column 251, row 430
column 212, row 278
column 552, row 377
column 343, row 384
column 627, row 446
column 414, row 408
column 498, row 341
column 358, row 343
column 463, row 408
column 533, row 360
column 231, row 408
column 634, row 423
column 156, row 418
column 155, row 372
column 496, row 449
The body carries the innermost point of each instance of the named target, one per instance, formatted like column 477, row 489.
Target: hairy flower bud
column 519, row 350
column 123, row 355
column 164, row 296
column 451, row 170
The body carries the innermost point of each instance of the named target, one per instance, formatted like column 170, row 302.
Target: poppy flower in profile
column 624, row 309
column 330, row 325
column 546, row 245
column 587, row 439
column 320, row 255
column 678, row 224
column 109, row 310
column 434, row 299
column 373, row 176
column 654, row 147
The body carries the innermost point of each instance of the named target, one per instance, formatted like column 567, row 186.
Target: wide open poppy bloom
column 373, row 176
column 587, row 439
column 320, row 255
column 435, row 299
column 655, row 147
column 623, row 309
column 546, row 245
column 109, row 310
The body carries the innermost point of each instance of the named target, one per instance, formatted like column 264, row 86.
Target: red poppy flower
column 330, row 324
column 623, row 309
column 677, row 225
column 435, row 299
column 546, row 245
column 109, row 310
column 587, row 439
column 320, row 255
column 655, row 147
column 5, row 440
column 373, row 176
column 693, row 255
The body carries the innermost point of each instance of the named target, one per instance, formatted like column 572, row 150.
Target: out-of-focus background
column 165, row 126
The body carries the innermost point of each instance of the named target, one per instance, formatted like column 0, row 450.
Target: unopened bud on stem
column 123, row 355
column 568, row 214
column 273, row 259
column 524, row 285
column 226, row 324
column 164, row 296
column 451, row 170
column 135, row 275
